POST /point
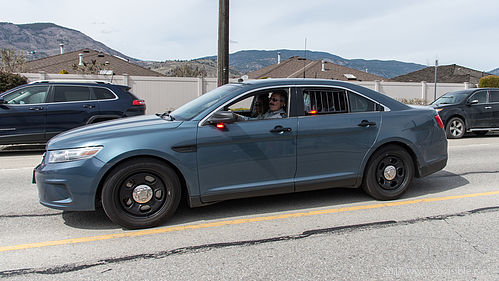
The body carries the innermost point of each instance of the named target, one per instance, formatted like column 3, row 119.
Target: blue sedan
column 245, row 139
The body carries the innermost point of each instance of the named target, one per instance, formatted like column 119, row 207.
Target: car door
column 70, row 107
column 494, row 106
column 336, row 130
column 246, row 158
column 23, row 116
column 481, row 111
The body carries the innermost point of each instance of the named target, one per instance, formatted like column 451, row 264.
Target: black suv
column 35, row 112
column 472, row 110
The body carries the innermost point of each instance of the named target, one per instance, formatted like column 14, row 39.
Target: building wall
column 167, row 93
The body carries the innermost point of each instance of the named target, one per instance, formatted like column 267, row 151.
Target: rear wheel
column 141, row 193
column 455, row 128
column 389, row 173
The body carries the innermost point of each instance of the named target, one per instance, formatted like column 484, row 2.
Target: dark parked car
column 216, row 147
column 35, row 112
column 472, row 110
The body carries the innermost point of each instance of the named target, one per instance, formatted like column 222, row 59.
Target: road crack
column 207, row 247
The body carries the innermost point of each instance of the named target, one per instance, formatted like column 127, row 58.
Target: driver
column 277, row 108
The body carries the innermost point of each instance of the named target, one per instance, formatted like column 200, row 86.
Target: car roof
column 382, row 98
column 79, row 82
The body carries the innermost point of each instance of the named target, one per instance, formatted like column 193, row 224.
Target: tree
column 187, row 70
column 12, row 61
column 490, row 81
column 10, row 80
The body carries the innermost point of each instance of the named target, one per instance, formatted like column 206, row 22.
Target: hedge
column 11, row 80
column 491, row 81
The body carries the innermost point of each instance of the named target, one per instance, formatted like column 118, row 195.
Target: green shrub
column 11, row 80
column 491, row 81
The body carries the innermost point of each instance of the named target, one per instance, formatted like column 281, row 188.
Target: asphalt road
column 445, row 227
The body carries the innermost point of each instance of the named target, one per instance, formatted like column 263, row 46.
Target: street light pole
column 223, row 43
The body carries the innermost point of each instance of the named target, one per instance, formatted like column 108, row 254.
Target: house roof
column 67, row 61
column 445, row 74
column 294, row 67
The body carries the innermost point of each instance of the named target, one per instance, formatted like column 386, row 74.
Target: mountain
column 39, row 40
column 250, row 60
column 206, row 65
column 495, row 71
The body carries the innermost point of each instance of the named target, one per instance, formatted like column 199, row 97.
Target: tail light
column 439, row 121
column 139, row 102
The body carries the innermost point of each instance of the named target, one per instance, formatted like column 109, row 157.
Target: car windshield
column 451, row 98
column 195, row 107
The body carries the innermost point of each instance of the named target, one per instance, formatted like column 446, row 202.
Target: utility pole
column 223, row 43
column 435, row 92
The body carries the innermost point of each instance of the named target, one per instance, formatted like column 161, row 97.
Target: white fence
column 167, row 93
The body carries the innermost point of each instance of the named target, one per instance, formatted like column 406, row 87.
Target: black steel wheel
column 389, row 173
column 141, row 193
column 455, row 128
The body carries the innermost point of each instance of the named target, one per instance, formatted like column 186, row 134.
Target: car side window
column 494, row 96
column 268, row 104
column 103, row 94
column 481, row 97
column 324, row 101
column 27, row 95
column 71, row 93
column 360, row 104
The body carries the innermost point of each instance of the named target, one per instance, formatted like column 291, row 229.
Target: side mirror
column 472, row 102
column 221, row 117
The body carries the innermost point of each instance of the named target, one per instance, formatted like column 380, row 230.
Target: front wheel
column 389, row 173
column 455, row 128
column 141, row 193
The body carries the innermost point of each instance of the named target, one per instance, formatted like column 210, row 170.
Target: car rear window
column 71, row 93
column 494, row 96
column 320, row 101
column 103, row 94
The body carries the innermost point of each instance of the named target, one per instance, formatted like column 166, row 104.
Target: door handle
column 88, row 106
column 280, row 129
column 36, row 108
column 366, row 123
column 488, row 107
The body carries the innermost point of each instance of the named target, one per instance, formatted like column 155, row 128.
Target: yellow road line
column 238, row 221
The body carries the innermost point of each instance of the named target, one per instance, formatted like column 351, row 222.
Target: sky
column 462, row 32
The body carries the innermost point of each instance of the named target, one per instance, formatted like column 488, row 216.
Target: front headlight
column 73, row 154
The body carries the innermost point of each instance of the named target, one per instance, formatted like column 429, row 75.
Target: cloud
column 413, row 31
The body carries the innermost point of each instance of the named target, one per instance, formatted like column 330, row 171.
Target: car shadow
column 16, row 149
column 490, row 134
column 261, row 206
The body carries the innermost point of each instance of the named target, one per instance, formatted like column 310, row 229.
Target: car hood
column 96, row 133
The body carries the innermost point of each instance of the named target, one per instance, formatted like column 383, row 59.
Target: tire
column 141, row 193
column 455, row 128
column 389, row 172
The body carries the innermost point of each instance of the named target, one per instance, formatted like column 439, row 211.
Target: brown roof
column 67, row 61
column 294, row 68
column 445, row 74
